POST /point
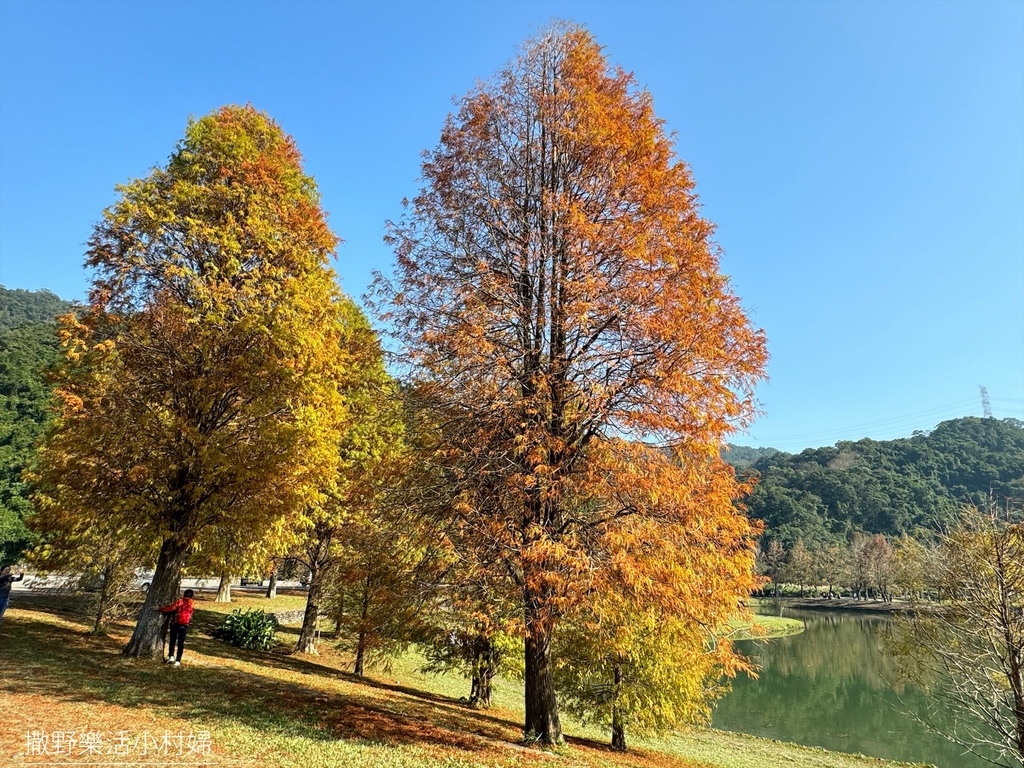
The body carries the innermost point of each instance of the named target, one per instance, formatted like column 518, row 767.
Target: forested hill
column 28, row 345
column 911, row 485
column 743, row 456
column 19, row 307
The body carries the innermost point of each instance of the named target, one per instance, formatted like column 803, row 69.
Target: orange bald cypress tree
column 556, row 284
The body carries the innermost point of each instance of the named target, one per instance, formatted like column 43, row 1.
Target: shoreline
column 835, row 604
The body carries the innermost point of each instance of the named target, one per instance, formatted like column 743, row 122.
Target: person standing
column 181, row 617
column 6, row 579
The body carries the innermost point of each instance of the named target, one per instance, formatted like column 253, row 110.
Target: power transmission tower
column 986, row 406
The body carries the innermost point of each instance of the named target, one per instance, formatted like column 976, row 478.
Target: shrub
column 252, row 629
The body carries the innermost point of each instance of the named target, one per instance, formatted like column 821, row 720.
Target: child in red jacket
column 181, row 611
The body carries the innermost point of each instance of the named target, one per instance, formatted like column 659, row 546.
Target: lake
column 832, row 686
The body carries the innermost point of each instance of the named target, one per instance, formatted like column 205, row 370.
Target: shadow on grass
column 65, row 664
column 70, row 607
column 440, row 709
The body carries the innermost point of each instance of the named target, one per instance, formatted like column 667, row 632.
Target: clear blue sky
column 864, row 161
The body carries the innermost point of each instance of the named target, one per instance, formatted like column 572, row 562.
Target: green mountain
column 743, row 456
column 28, row 346
column 911, row 485
column 19, row 307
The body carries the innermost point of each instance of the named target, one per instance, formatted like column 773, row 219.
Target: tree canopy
column 198, row 393
column 369, row 445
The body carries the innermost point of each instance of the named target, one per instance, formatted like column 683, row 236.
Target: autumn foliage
column 644, row 645
column 369, row 448
column 198, row 400
column 559, row 298
column 550, row 483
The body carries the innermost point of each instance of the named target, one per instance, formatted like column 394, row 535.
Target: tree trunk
column 318, row 551
column 339, row 615
column 146, row 640
column 272, row 586
column 476, row 689
column 618, row 722
column 618, row 730
column 1018, row 711
column 361, row 644
column 224, row 589
column 104, row 601
column 485, row 687
column 101, row 611
column 542, row 723
column 310, row 619
column 360, row 665
column 485, row 667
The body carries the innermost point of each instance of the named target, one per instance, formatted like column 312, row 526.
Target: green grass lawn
column 283, row 710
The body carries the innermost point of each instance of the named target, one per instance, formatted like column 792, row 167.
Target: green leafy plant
column 252, row 629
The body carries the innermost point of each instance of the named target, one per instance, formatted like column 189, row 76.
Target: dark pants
column 178, row 632
column 3, row 606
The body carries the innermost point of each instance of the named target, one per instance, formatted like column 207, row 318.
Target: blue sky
column 864, row 162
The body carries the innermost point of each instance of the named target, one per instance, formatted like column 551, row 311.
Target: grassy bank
column 765, row 628
column 282, row 710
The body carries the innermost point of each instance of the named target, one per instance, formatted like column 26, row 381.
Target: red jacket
column 181, row 608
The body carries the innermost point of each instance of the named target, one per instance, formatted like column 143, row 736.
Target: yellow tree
column 555, row 284
column 198, row 393
column 369, row 450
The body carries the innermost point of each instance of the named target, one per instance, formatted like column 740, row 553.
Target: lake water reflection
column 833, row 686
